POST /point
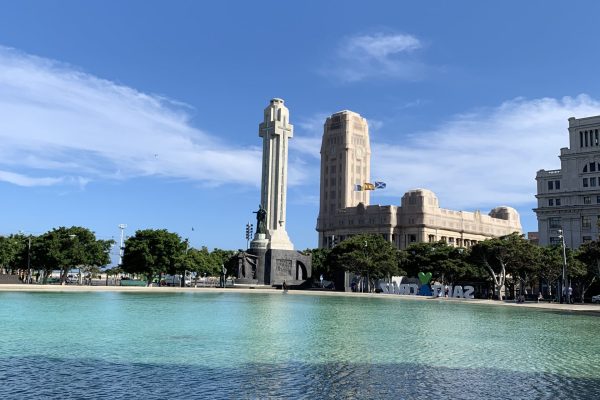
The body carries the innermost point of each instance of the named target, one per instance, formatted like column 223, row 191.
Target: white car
column 596, row 299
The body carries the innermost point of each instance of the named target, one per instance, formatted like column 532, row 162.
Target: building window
column 580, row 139
column 554, row 222
column 554, row 240
column 550, row 185
column 587, row 239
column 585, row 182
column 412, row 238
column 586, row 222
column 597, row 199
column 587, row 200
column 557, row 202
column 550, row 202
column 593, row 181
column 557, row 185
column 431, row 238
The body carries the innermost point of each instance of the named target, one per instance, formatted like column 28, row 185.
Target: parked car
column 596, row 298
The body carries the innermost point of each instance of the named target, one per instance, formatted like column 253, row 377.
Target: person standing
column 570, row 294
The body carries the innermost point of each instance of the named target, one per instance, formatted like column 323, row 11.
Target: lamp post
column 563, row 291
column 122, row 246
column 73, row 237
column 249, row 231
column 29, row 261
column 367, row 265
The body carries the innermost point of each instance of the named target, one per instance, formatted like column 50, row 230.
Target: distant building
column 569, row 198
column 344, row 212
column 533, row 237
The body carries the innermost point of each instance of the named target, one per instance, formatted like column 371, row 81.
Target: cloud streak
column 62, row 126
column 377, row 55
column 484, row 158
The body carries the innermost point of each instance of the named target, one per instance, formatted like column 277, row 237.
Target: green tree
column 11, row 250
column 510, row 254
column 589, row 269
column 550, row 266
column 219, row 258
column 446, row 263
column 150, row 252
column 67, row 248
column 369, row 256
column 319, row 263
column 200, row 262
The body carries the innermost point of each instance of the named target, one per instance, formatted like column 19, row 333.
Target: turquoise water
column 233, row 345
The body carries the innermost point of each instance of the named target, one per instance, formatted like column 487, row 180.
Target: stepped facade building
column 344, row 212
column 568, row 198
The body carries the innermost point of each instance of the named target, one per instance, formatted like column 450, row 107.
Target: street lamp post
column 29, row 261
column 249, row 231
column 367, row 266
column 122, row 246
column 563, row 291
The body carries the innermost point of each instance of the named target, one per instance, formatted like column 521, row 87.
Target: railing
column 550, row 172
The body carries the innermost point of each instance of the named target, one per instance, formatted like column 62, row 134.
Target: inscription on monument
column 283, row 267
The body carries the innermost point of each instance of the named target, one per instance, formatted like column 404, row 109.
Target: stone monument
column 276, row 259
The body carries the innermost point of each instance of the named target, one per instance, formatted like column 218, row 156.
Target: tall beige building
column 344, row 212
column 569, row 197
column 345, row 162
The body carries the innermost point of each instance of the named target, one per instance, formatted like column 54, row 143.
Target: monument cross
column 275, row 131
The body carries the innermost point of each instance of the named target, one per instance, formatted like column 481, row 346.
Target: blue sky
column 147, row 112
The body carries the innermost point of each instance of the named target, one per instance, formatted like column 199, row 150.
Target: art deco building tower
column 345, row 162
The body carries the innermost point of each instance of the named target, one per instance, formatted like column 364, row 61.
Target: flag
column 368, row 186
column 379, row 185
column 358, row 188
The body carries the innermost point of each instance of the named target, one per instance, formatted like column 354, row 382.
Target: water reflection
column 27, row 378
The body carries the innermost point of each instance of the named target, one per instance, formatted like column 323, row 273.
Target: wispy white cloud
column 387, row 55
column 483, row 158
column 23, row 180
column 62, row 126
column 309, row 131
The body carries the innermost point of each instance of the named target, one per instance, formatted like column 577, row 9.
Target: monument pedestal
column 279, row 239
column 290, row 266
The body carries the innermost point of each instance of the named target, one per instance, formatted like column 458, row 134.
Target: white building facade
column 568, row 198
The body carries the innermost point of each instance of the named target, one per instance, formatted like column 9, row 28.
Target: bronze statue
column 261, row 219
column 246, row 265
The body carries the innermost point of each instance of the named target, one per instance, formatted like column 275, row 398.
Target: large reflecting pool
column 234, row 345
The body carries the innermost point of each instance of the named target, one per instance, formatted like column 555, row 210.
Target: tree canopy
column 151, row 252
column 369, row 256
column 510, row 254
column 446, row 263
column 67, row 248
